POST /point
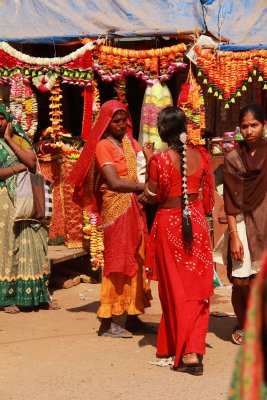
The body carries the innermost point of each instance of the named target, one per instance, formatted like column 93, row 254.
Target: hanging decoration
column 228, row 74
column 75, row 68
column 120, row 87
column 96, row 99
column 93, row 231
column 156, row 98
column 191, row 100
column 44, row 82
column 23, row 104
column 56, row 113
column 113, row 64
column 87, row 112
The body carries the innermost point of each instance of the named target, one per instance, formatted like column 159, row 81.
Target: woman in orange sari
column 124, row 284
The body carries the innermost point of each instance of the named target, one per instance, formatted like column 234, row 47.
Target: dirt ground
column 57, row 354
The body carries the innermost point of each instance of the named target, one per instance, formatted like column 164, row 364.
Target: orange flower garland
column 56, row 113
column 113, row 63
column 228, row 73
column 191, row 100
column 93, row 230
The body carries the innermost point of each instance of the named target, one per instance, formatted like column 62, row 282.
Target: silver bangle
column 151, row 193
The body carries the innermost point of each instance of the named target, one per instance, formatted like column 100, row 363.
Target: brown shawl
column 245, row 178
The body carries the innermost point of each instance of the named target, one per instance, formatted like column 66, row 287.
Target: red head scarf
column 82, row 166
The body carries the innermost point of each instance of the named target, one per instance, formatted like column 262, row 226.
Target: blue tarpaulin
column 63, row 20
column 243, row 22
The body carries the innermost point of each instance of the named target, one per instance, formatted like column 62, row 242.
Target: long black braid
column 172, row 128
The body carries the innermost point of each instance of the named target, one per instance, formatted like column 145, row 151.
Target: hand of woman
column 19, row 167
column 148, row 150
column 236, row 248
column 8, row 132
column 142, row 198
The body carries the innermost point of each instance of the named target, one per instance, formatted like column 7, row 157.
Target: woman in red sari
column 179, row 253
column 124, row 284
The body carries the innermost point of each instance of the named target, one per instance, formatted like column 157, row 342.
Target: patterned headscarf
column 82, row 166
column 5, row 110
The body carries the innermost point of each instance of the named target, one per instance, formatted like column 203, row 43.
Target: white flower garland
column 44, row 82
column 23, row 105
column 47, row 61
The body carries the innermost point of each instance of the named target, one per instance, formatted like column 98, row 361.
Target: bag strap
column 38, row 166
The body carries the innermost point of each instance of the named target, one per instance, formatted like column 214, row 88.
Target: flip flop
column 11, row 310
column 116, row 331
column 238, row 336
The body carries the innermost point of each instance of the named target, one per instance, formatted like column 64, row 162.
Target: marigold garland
column 191, row 100
column 113, row 63
column 96, row 99
column 93, row 230
column 227, row 74
column 56, row 113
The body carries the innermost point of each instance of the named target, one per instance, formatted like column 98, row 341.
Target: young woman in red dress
column 179, row 252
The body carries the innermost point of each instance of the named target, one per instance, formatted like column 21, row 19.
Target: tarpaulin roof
column 243, row 22
column 64, row 20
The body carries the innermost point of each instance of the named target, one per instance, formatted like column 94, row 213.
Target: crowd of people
column 177, row 252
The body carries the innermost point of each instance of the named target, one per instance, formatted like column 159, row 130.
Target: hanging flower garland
column 113, row 63
column 75, row 68
column 44, row 83
column 156, row 98
column 96, row 99
column 191, row 100
column 23, row 104
column 56, row 113
column 93, row 231
column 228, row 74
column 39, row 61
column 120, row 87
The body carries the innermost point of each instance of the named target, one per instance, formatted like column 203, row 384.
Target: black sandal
column 196, row 370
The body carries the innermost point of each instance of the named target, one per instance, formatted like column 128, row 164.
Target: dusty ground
column 57, row 355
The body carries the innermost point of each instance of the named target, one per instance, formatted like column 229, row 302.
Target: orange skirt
column 121, row 293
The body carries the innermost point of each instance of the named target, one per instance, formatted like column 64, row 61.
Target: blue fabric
column 58, row 21
column 243, row 22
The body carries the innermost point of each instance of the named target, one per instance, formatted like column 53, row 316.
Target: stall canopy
column 64, row 20
column 243, row 22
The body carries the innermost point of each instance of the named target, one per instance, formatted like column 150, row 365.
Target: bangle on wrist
column 15, row 172
column 150, row 193
column 234, row 230
column 18, row 150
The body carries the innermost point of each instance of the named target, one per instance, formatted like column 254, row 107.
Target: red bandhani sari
column 184, row 274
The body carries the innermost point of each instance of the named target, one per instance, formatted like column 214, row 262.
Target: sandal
column 196, row 370
column 238, row 336
column 116, row 331
column 141, row 327
column 53, row 305
column 11, row 310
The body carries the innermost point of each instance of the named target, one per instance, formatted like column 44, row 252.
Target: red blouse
column 175, row 179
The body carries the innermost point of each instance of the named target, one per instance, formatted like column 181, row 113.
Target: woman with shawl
column 245, row 201
column 24, row 265
column 179, row 253
column 124, row 285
